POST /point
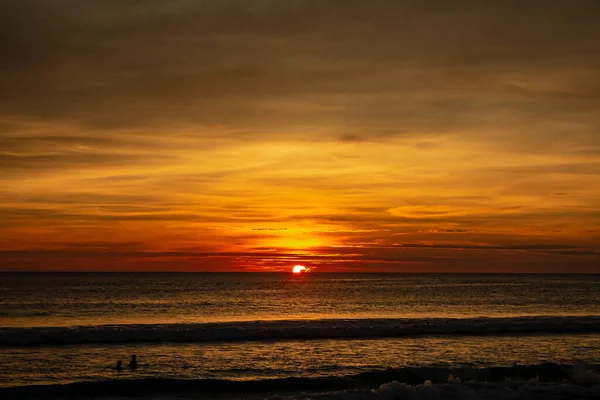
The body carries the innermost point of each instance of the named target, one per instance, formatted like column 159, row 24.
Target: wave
column 297, row 329
column 546, row 381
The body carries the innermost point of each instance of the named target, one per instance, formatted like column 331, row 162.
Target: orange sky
column 345, row 135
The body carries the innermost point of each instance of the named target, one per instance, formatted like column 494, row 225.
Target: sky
column 345, row 135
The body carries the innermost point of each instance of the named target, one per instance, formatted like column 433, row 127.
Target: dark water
column 94, row 299
column 63, row 328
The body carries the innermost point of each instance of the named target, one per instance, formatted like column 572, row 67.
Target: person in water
column 133, row 363
column 119, row 365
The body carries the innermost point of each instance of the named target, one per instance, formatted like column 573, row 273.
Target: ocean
column 313, row 335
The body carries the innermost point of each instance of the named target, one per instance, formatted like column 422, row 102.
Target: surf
column 546, row 380
column 298, row 329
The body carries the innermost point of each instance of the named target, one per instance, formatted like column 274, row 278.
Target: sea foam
column 542, row 381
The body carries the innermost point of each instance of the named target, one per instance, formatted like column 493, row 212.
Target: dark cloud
column 527, row 247
column 467, row 219
column 414, row 66
column 20, row 215
column 577, row 253
column 428, row 258
column 270, row 123
column 12, row 165
column 22, row 144
column 448, row 231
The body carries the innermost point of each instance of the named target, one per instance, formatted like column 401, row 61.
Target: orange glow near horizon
column 302, row 134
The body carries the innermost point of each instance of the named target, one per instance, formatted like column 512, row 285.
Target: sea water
column 325, row 332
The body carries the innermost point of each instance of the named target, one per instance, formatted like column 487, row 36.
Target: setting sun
column 299, row 269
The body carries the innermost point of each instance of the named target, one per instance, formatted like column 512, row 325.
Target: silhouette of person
column 428, row 323
column 133, row 363
column 119, row 365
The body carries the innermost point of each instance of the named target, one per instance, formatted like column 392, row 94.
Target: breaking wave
column 296, row 329
column 547, row 381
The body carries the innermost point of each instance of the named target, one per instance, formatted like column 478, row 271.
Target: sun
column 298, row 269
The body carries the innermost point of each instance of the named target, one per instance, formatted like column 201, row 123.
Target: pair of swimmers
column 132, row 364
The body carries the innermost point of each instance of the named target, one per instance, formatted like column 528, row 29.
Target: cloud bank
column 380, row 135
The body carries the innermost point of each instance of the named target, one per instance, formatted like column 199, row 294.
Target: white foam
column 475, row 390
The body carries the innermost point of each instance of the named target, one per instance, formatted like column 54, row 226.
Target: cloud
column 447, row 231
column 233, row 125
column 526, row 247
column 110, row 64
